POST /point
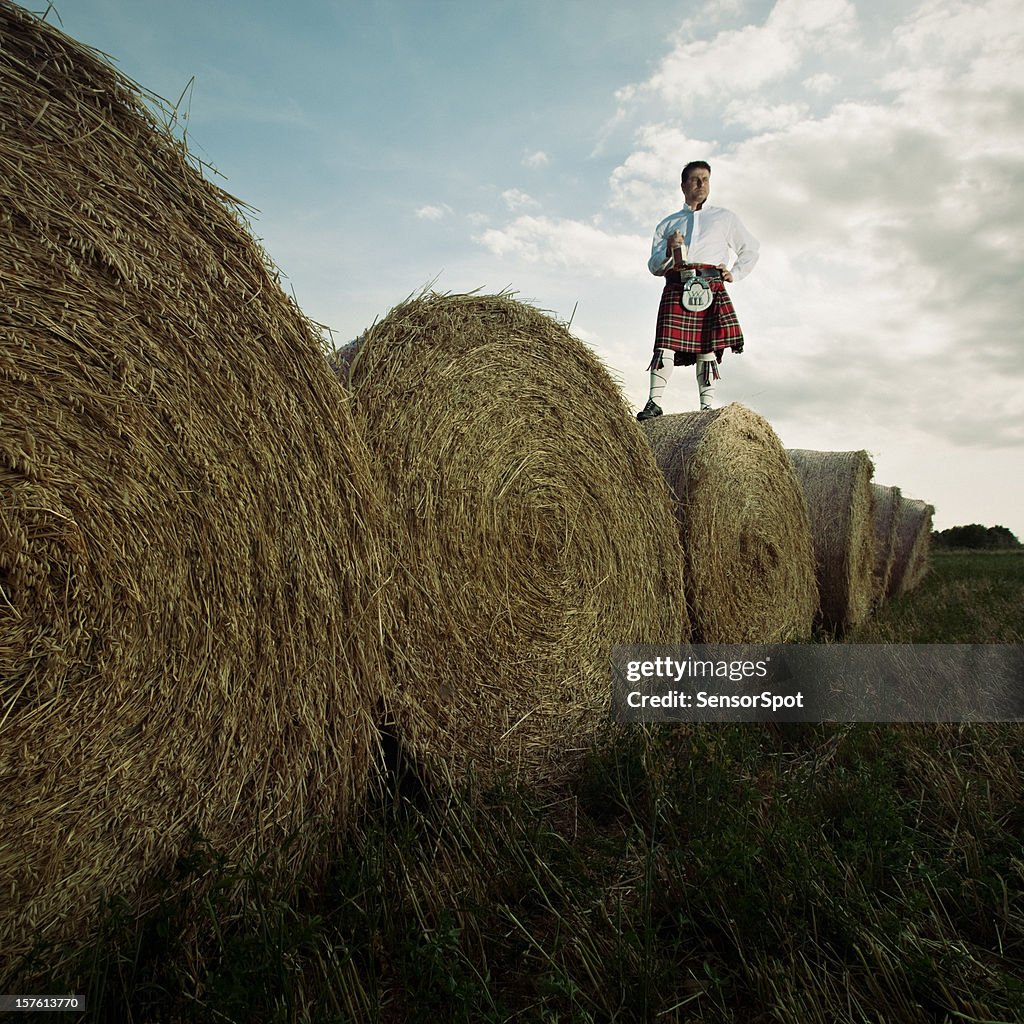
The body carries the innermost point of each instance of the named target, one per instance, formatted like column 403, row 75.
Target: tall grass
column 740, row 874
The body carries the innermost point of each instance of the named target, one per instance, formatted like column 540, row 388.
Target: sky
column 876, row 150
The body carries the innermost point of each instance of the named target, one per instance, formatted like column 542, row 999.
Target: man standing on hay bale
column 692, row 249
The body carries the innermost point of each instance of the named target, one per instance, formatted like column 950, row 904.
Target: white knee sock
column 707, row 374
column 659, row 378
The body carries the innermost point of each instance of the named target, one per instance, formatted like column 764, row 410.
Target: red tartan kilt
column 688, row 333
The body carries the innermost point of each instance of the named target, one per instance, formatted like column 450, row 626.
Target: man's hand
column 726, row 276
column 675, row 241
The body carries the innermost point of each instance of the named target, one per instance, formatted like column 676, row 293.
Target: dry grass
column 189, row 626
column 837, row 487
column 535, row 531
column 886, row 521
column 913, row 540
column 743, row 524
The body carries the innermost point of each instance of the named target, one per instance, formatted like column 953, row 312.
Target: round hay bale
column 837, row 488
column 189, row 626
column 535, row 531
column 913, row 542
column 743, row 524
column 887, row 502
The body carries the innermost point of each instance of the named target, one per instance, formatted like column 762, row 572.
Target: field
column 968, row 597
column 735, row 874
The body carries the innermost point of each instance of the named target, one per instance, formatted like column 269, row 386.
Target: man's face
column 696, row 186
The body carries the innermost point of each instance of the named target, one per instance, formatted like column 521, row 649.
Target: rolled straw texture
column 189, row 636
column 887, row 503
column 837, row 488
column 535, row 531
column 913, row 543
column 743, row 525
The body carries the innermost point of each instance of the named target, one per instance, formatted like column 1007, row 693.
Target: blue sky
column 876, row 150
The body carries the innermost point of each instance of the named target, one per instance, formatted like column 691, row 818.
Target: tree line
column 975, row 535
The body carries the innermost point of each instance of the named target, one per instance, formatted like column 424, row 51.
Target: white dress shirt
column 713, row 235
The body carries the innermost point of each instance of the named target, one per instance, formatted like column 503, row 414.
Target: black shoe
column 648, row 411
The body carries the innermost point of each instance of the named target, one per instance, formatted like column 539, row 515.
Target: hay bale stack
column 886, row 520
column 837, row 488
column 535, row 531
column 188, row 623
column 913, row 542
column 743, row 524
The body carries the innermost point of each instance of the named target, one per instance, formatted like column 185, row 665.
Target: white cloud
column 516, row 199
column 741, row 61
column 821, row 83
column 759, row 117
column 536, row 158
column 979, row 33
column 568, row 243
column 433, row 212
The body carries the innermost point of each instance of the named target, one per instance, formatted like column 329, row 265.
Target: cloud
column 760, row 117
column 433, row 212
column 516, row 199
column 568, row 243
column 741, row 61
column 536, row 158
column 820, row 83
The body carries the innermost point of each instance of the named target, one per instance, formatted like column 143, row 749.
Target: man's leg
column 661, row 368
column 707, row 374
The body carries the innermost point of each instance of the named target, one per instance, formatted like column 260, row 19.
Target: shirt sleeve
column 659, row 263
column 746, row 247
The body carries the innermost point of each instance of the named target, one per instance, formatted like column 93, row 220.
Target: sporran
column 697, row 295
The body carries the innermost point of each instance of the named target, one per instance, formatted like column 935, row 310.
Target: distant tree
column 1003, row 538
column 974, row 535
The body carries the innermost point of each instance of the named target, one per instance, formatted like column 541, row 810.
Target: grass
column 967, row 597
column 740, row 874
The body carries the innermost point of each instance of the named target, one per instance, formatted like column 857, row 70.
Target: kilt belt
column 697, row 270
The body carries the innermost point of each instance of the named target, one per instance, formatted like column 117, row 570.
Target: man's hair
column 691, row 165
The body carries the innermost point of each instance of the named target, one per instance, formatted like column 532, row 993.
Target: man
column 696, row 319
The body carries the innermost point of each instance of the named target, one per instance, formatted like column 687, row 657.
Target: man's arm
column 746, row 247
column 661, row 259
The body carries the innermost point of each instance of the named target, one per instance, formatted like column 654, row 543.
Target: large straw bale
column 913, row 542
column 886, row 519
column 188, row 626
column 535, row 531
column 837, row 487
column 743, row 524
